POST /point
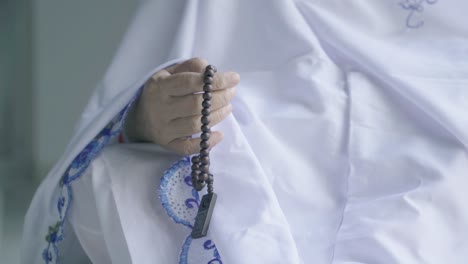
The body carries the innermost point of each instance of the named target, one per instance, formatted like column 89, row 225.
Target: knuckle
column 196, row 101
column 157, row 76
column 186, row 148
column 218, row 81
column 150, row 85
column 198, row 61
column 184, row 78
column 232, row 92
column 214, row 140
column 189, row 80
column 194, row 124
column 227, row 96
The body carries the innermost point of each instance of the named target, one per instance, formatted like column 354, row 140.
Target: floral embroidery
column 199, row 251
column 181, row 202
column 414, row 7
column 78, row 166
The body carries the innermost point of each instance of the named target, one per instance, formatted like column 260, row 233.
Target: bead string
column 201, row 175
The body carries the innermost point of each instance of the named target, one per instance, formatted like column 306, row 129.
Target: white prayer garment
column 347, row 142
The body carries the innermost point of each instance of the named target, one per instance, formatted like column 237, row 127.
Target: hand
column 168, row 111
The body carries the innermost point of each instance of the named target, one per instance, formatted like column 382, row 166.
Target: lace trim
column 181, row 201
column 78, row 166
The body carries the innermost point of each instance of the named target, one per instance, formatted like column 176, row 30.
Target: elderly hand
column 168, row 111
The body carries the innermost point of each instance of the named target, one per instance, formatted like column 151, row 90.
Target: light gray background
column 74, row 42
column 52, row 54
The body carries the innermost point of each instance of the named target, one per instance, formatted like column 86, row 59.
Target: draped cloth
column 347, row 142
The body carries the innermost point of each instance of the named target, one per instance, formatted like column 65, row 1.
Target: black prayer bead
column 204, row 168
column 210, row 188
column 201, row 163
column 195, row 159
column 205, row 120
column 207, row 96
column 199, row 185
column 208, row 79
column 205, row 135
column 206, row 104
column 204, row 151
column 209, row 72
column 210, row 178
column 205, row 111
column 201, row 182
column 204, row 176
column 204, row 144
column 211, row 67
column 207, row 88
column 205, row 129
column 205, row 160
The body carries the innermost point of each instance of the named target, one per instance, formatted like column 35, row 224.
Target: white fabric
column 347, row 143
column 120, row 212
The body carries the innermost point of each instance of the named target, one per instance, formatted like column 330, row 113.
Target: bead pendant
column 202, row 221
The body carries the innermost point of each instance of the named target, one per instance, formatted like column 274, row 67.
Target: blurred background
column 52, row 54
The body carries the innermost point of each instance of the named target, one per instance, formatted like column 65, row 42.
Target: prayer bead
column 204, row 152
column 205, row 111
column 204, row 168
column 201, row 163
column 205, row 129
column 206, row 104
column 209, row 72
column 205, row 120
column 195, row 159
column 207, row 96
column 211, row 67
column 200, row 185
column 208, row 79
column 204, row 176
column 205, row 136
column 207, row 88
column 210, row 178
column 205, row 160
column 204, row 144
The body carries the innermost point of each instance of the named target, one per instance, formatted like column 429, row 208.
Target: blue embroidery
column 199, row 251
column 208, row 245
column 414, row 7
column 81, row 162
column 182, row 212
column 181, row 202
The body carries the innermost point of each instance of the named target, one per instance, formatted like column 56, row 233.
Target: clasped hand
column 168, row 111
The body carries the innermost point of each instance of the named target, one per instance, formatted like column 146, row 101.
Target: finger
column 186, row 83
column 189, row 146
column 160, row 75
column 190, row 105
column 187, row 126
column 192, row 65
